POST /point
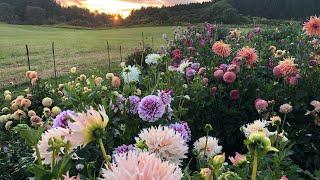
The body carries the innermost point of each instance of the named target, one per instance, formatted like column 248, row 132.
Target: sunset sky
column 122, row 7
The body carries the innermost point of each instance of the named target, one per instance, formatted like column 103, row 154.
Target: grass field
column 82, row 48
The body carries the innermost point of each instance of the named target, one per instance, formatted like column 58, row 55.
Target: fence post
column 108, row 49
column 54, row 64
column 27, row 49
column 142, row 36
column 152, row 43
column 120, row 53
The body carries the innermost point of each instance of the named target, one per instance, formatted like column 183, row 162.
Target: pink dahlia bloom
column 140, row 166
column 285, row 108
column 249, row 54
column 229, row 77
column 218, row 74
column 214, row 91
column 284, row 177
column 261, row 105
column 277, row 72
column 238, row 159
column 221, row 49
column 165, row 143
column 234, row 94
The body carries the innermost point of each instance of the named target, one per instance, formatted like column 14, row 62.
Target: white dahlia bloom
column 207, row 149
column 131, row 74
column 153, row 59
column 256, row 126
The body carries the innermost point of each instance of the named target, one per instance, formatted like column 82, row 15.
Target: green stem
column 206, row 145
column 38, row 155
column 53, row 160
column 103, row 150
column 284, row 121
column 254, row 166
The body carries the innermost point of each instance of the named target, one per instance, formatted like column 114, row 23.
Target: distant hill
column 49, row 12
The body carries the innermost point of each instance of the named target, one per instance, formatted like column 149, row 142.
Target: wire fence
column 55, row 65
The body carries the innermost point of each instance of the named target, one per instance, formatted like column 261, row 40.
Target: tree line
column 49, row 12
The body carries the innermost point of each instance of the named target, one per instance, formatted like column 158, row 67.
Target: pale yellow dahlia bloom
column 87, row 126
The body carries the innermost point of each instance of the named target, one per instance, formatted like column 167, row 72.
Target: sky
column 122, row 7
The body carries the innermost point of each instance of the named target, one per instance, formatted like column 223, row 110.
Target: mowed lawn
column 83, row 48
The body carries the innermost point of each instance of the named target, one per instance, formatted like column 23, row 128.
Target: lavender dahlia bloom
column 165, row 96
column 151, row 108
column 123, row 149
column 183, row 129
column 62, row 119
column 133, row 104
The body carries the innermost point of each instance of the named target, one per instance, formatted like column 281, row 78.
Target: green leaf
column 31, row 136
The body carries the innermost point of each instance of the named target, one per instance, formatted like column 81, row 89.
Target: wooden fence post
column 27, row 49
column 109, row 61
column 54, row 64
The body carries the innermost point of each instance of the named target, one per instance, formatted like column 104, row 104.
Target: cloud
column 72, row 2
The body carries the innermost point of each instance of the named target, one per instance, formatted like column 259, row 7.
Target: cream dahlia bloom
column 131, row 74
column 86, row 124
column 207, row 149
column 141, row 166
column 60, row 135
column 256, row 126
column 153, row 59
column 165, row 143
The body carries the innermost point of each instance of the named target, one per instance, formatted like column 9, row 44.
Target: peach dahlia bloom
column 221, row 49
column 249, row 54
column 312, row 27
column 287, row 67
column 140, row 166
column 165, row 143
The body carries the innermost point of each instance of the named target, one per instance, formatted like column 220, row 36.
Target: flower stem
column 103, row 150
column 53, row 159
column 284, row 121
column 254, row 166
column 38, row 155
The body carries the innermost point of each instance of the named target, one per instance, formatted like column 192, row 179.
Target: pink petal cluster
column 165, row 143
column 238, row 159
column 229, row 77
column 249, row 54
column 141, row 166
column 221, row 49
column 261, row 105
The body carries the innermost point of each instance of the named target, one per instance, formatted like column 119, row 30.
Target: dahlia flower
column 207, row 148
column 140, row 166
column 151, row 108
column 119, row 103
column 165, row 96
column 287, row 67
column 316, row 105
column 183, row 66
column 153, row 59
column 249, row 54
column 133, row 104
column 51, row 138
column 115, row 82
column 218, row 74
column 256, row 126
column 67, row 177
column 221, row 49
column 229, row 77
column 36, row 121
column 165, row 143
column 285, row 108
column 62, row 119
column 87, row 124
column 312, row 27
column 183, row 129
column 131, row 74
column 234, row 94
column 261, row 105
column 238, row 159
column 123, row 149
column 47, row 102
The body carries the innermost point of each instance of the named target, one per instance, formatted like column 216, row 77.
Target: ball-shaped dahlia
column 151, row 108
